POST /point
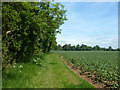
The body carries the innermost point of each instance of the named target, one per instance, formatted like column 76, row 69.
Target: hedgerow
column 28, row 28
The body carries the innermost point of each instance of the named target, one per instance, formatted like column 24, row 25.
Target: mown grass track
column 53, row 74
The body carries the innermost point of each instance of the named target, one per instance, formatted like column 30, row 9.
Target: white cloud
column 90, row 28
column 103, row 42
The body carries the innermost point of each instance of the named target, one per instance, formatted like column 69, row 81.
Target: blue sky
column 90, row 23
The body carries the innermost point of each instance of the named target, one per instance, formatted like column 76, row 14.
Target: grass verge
column 52, row 74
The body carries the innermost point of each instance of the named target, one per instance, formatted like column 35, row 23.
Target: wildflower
column 20, row 66
column 13, row 65
column 8, row 32
column 34, row 60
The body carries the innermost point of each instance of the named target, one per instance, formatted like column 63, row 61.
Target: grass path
column 53, row 74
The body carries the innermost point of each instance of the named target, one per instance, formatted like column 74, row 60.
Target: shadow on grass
column 27, row 59
column 52, row 63
column 75, row 86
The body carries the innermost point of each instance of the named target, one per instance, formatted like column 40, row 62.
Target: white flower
column 13, row 65
column 34, row 60
column 8, row 32
column 20, row 71
column 20, row 66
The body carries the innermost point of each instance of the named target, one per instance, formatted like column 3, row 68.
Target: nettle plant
column 37, row 60
column 14, row 68
column 19, row 68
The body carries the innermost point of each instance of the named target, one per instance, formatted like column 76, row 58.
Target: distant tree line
column 69, row 47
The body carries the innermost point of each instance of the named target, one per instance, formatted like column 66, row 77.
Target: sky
column 90, row 23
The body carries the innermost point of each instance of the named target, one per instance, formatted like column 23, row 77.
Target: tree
column 118, row 49
column 103, row 49
column 54, row 15
column 69, row 47
column 78, row 47
column 73, row 48
column 110, row 48
column 89, row 48
column 96, row 48
column 59, row 47
column 83, row 47
column 29, row 27
column 18, row 37
column 65, row 47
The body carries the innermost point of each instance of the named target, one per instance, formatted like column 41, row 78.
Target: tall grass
column 22, row 72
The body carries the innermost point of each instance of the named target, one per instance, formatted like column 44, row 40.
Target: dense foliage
column 105, row 64
column 28, row 28
column 69, row 47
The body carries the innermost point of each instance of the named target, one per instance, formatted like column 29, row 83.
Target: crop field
column 103, row 63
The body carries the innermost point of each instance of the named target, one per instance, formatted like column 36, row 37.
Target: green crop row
column 104, row 63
